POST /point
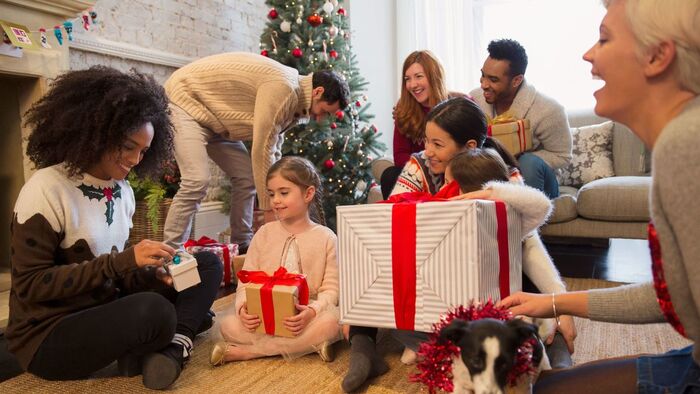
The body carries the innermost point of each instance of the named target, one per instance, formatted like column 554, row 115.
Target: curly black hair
column 88, row 113
column 512, row 51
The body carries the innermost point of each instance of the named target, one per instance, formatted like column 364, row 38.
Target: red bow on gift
column 280, row 277
column 205, row 241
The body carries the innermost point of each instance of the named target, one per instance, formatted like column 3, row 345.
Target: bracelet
column 554, row 309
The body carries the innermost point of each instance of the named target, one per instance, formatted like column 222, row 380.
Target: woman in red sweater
column 422, row 87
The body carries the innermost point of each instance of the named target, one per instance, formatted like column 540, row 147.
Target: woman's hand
column 484, row 194
column 567, row 328
column 528, row 304
column 250, row 322
column 149, row 252
column 296, row 324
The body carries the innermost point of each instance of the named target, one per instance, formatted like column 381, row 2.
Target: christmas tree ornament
column 296, row 52
column 333, row 53
column 286, row 26
column 314, row 19
column 68, row 26
column 339, row 114
column 334, row 126
column 361, row 185
column 42, row 38
column 364, row 97
column 274, row 44
column 358, row 103
column 353, row 112
column 265, row 53
column 329, row 164
column 93, row 16
column 328, row 7
column 299, row 21
column 272, row 14
column 329, row 144
column 325, row 48
column 59, row 35
column 332, row 31
column 341, row 11
column 310, row 44
column 86, row 21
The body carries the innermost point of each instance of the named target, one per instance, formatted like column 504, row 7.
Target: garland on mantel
column 21, row 37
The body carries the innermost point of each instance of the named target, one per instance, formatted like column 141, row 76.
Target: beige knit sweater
column 244, row 97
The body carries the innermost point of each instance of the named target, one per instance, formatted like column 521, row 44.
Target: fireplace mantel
column 59, row 8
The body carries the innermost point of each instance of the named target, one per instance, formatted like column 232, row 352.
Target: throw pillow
column 592, row 155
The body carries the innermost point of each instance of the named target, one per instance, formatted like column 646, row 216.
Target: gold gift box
column 284, row 299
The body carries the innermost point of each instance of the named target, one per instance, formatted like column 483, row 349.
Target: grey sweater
column 551, row 138
column 675, row 214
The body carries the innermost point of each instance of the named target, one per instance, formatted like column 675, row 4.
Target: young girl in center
column 301, row 243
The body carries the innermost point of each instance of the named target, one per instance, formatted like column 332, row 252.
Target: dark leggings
column 140, row 323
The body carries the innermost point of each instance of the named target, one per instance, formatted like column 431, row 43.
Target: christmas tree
column 312, row 35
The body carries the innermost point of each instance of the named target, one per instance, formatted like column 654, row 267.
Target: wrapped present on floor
column 402, row 265
column 515, row 135
column 226, row 252
column 274, row 297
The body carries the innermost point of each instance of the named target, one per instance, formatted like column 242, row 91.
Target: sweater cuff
column 124, row 261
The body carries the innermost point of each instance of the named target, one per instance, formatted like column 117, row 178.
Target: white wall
column 373, row 25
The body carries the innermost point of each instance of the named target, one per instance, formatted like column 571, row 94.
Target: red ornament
column 334, row 126
column 315, row 19
column 339, row 114
column 264, row 52
column 358, row 103
column 272, row 14
column 341, row 11
column 329, row 164
column 333, row 53
column 296, row 52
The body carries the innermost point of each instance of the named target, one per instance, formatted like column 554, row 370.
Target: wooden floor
column 621, row 261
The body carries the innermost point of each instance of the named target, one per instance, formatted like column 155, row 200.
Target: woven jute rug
column 311, row 375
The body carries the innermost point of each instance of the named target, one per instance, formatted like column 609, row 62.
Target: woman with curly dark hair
column 80, row 296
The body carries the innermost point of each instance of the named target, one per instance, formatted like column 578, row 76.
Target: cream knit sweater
column 244, row 97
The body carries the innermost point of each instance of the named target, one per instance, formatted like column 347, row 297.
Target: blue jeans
column 538, row 174
column 674, row 372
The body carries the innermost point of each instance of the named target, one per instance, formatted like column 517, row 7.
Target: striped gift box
column 460, row 255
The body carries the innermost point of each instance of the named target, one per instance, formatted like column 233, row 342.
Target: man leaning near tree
column 504, row 89
column 221, row 100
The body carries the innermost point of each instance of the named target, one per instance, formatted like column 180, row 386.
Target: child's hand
column 484, row 194
column 296, row 324
column 149, row 252
column 250, row 322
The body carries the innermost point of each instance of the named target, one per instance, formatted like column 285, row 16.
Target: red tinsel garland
column 435, row 367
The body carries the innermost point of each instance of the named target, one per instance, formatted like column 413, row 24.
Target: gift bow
column 280, row 277
column 205, row 241
column 505, row 117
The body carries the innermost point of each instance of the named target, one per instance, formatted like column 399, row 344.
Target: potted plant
column 153, row 199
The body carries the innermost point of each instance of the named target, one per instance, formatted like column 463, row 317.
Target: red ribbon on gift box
column 403, row 254
column 209, row 243
column 280, row 277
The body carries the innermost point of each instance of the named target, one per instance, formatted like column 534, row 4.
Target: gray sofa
column 615, row 207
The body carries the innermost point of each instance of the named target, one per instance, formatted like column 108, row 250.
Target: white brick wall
column 191, row 28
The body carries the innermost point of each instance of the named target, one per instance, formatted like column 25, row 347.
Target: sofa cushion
column 616, row 199
column 631, row 157
column 592, row 155
column 564, row 209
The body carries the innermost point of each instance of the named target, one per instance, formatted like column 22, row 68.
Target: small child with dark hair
column 473, row 168
column 81, row 296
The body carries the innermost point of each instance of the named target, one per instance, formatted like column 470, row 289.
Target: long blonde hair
column 302, row 173
column 408, row 113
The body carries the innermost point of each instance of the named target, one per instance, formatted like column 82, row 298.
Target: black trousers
column 140, row 323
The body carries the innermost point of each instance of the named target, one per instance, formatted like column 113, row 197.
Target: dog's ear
column 523, row 329
column 455, row 331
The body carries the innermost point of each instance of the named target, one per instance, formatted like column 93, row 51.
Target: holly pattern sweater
column 67, row 252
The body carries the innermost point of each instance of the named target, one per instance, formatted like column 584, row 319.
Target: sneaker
column 161, row 369
column 207, row 322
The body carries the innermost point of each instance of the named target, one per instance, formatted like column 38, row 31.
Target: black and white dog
column 488, row 351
